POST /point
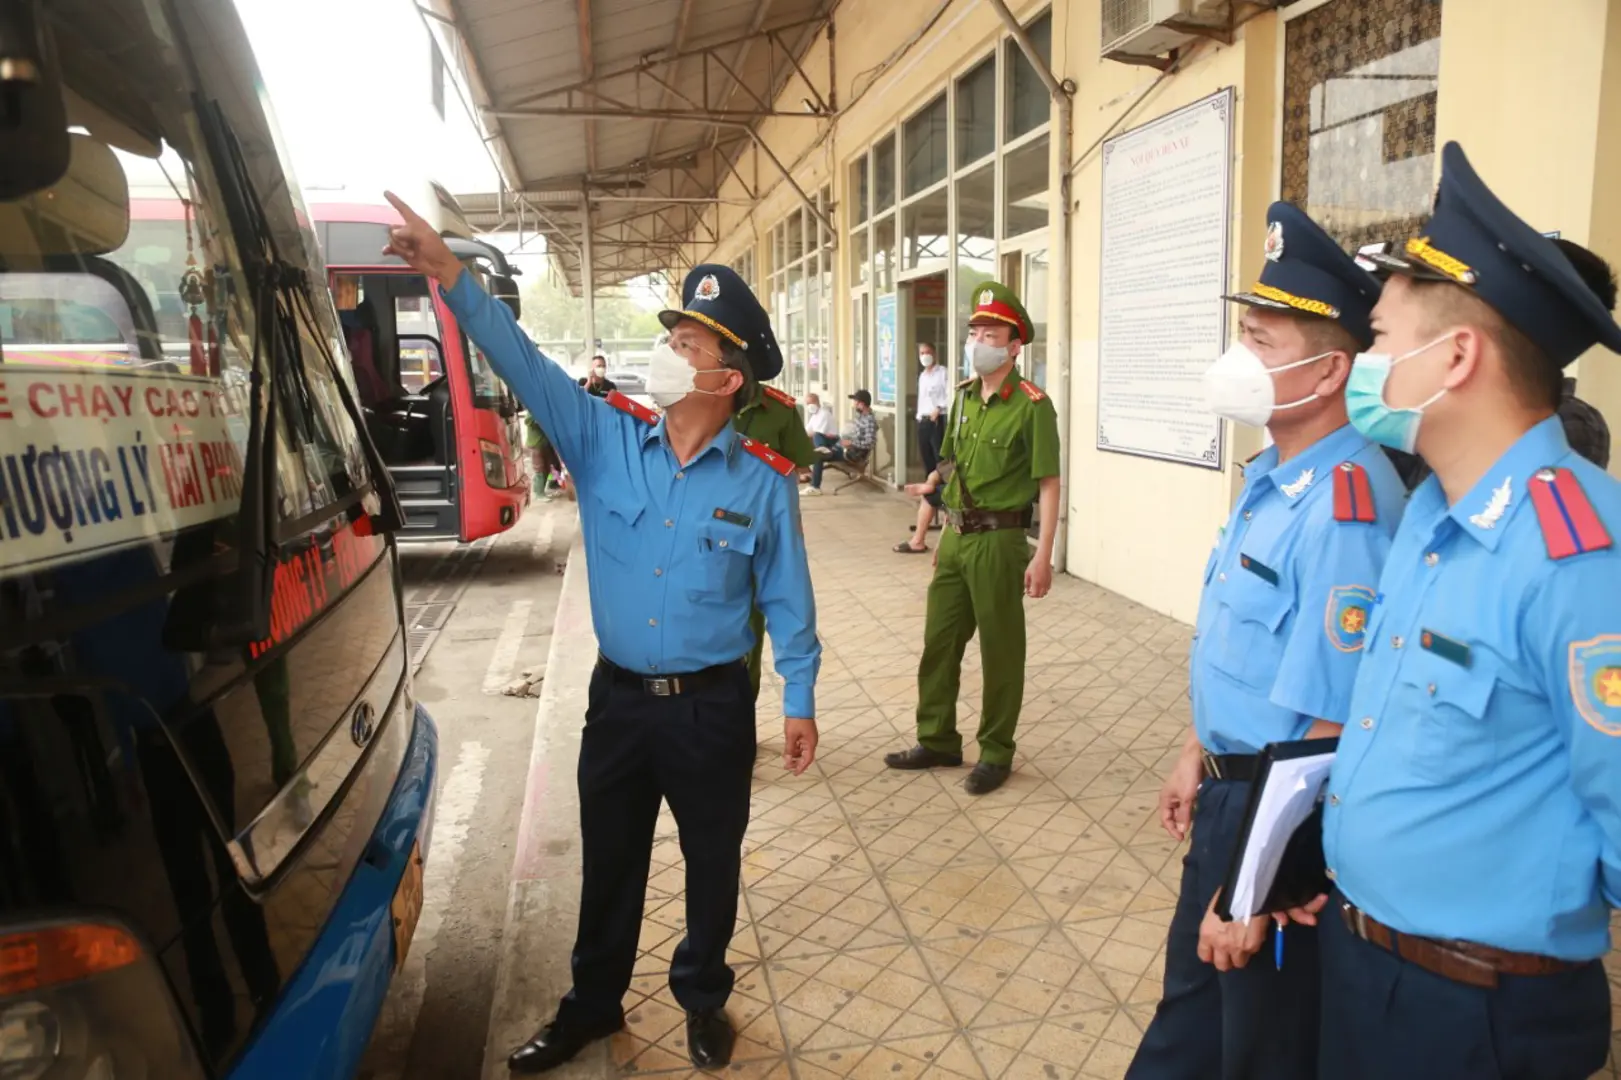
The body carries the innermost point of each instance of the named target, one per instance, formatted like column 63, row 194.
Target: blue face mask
column 1365, row 400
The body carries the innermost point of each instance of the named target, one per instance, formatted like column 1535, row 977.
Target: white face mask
column 670, row 378
column 926, row 359
column 1239, row 386
column 984, row 359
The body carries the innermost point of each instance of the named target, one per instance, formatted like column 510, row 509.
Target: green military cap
column 995, row 302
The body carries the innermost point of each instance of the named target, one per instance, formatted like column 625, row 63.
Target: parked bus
column 215, row 783
column 447, row 426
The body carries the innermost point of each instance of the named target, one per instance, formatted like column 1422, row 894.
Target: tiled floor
column 892, row 927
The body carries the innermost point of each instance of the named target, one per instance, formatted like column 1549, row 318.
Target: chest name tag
column 1446, row 648
column 1259, row 569
column 742, row 521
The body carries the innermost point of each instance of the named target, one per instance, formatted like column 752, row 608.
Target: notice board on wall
column 1166, row 221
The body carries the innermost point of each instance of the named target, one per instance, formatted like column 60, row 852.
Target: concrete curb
column 544, row 892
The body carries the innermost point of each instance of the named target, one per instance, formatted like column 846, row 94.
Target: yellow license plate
column 407, row 906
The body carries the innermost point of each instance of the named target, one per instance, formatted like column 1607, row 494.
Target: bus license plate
column 407, row 906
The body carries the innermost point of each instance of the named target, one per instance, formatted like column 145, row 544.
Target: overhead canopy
column 636, row 108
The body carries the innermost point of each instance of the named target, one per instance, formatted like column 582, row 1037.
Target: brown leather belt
column 978, row 521
column 1460, row 961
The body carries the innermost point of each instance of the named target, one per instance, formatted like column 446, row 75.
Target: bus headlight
column 495, row 464
column 84, row 999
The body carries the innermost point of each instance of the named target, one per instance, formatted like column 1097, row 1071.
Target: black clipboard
column 1302, row 873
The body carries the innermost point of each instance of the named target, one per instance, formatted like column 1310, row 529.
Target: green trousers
column 757, row 624
column 978, row 584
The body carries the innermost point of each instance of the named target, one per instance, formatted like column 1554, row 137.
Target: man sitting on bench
column 854, row 446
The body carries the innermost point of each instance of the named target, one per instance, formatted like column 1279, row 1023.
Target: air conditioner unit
column 1135, row 27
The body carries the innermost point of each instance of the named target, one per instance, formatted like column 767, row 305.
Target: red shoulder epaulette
column 1031, row 390
column 635, row 408
column 786, row 399
column 769, row 456
column 1353, row 494
column 1569, row 524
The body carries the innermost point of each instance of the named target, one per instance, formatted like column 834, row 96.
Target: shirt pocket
column 1444, row 706
column 724, row 563
column 1247, row 645
column 615, row 526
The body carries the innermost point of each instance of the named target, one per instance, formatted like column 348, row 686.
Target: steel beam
column 681, row 21
column 588, row 69
column 694, row 116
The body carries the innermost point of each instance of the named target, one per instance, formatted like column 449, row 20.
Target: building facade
column 947, row 162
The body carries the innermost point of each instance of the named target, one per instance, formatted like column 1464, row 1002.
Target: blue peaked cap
column 1307, row 272
column 1475, row 241
column 716, row 296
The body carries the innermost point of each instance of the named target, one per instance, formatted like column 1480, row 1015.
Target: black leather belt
column 1231, row 766
column 967, row 522
column 669, row 685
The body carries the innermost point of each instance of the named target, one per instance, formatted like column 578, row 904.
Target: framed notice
column 885, row 390
column 1166, row 216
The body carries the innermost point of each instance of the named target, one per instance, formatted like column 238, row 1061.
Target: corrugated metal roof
column 536, row 64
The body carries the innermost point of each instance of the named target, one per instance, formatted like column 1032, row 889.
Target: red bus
column 448, row 428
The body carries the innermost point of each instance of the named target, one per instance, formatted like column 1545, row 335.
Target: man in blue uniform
column 1473, row 826
column 686, row 525
column 1287, row 592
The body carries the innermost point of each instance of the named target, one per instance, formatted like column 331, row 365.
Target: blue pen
column 1277, row 946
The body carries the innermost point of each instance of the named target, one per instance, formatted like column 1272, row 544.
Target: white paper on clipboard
column 1293, row 786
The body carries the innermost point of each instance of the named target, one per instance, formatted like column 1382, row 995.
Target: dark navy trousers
column 696, row 751
column 1256, row 1023
column 1385, row 1018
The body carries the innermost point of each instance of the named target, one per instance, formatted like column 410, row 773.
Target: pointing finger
column 411, row 216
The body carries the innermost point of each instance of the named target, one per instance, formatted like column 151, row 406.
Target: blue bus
column 215, row 784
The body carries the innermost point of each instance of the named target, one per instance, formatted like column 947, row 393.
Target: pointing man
column 686, row 525
column 1473, row 829
column 1287, row 592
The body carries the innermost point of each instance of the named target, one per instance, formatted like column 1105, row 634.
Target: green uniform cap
column 995, row 302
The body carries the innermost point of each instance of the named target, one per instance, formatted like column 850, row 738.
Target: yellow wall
column 1536, row 101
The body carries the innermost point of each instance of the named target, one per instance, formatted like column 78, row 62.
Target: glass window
column 1034, row 295
column 976, row 113
column 924, row 146
column 860, row 310
column 1359, row 97
column 1028, row 103
column 858, row 190
column 796, row 287
column 860, row 264
column 883, row 254
column 794, row 244
column 927, row 232
column 976, row 226
column 1024, row 175
column 883, row 175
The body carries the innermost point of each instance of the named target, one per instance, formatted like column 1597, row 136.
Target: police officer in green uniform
column 1001, row 452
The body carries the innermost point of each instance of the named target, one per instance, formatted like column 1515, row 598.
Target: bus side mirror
column 34, row 144
column 505, row 290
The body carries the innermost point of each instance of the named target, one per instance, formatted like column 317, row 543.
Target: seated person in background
column 597, row 384
column 820, row 424
column 856, row 444
column 360, row 335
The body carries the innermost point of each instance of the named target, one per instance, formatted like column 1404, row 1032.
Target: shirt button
column 652, row 667
column 1333, row 800
column 652, row 622
column 658, row 571
column 680, row 475
column 1330, row 874
column 1248, row 514
column 1221, row 577
column 723, row 543
column 1431, row 559
column 1367, row 723
column 668, row 524
column 1431, row 689
column 1396, row 641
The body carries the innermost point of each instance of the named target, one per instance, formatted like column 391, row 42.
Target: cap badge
column 987, row 298
column 1274, row 242
column 708, row 289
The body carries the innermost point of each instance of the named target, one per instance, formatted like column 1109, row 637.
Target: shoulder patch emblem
column 1495, row 507
column 760, row 450
column 1301, row 483
column 634, row 408
column 1345, row 619
column 1353, row 494
column 1570, row 526
column 1595, row 682
column 1032, row 391
column 778, row 395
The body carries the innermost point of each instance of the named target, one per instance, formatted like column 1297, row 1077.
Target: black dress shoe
column 921, row 757
column 555, row 1044
column 710, row 1038
column 986, row 778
